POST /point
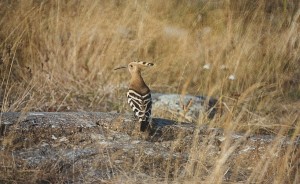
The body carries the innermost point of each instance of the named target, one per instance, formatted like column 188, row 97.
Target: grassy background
column 59, row 56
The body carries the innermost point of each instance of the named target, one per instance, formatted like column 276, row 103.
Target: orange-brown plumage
column 139, row 95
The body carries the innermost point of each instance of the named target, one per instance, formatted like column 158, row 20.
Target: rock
column 86, row 147
column 184, row 107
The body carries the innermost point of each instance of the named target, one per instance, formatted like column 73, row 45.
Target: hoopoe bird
column 139, row 94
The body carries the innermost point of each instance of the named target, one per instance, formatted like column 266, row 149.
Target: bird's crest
column 144, row 63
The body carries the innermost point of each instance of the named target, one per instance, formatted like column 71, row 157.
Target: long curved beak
column 121, row 67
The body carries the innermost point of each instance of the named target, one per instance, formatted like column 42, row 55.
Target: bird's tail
column 144, row 125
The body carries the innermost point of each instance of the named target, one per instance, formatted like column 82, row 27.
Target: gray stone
column 184, row 107
column 100, row 147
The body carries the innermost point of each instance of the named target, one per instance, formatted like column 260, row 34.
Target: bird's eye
column 130, row 66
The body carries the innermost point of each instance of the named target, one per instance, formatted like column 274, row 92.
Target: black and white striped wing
column 141, row 106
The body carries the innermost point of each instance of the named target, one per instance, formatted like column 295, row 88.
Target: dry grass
column 59, row 56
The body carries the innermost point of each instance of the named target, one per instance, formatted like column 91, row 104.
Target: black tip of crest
column 150, row 64
column 146, row 63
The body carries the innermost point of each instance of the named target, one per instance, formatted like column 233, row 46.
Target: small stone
column 53, row 137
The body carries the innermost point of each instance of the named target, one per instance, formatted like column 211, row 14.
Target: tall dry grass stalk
column 59, row 56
